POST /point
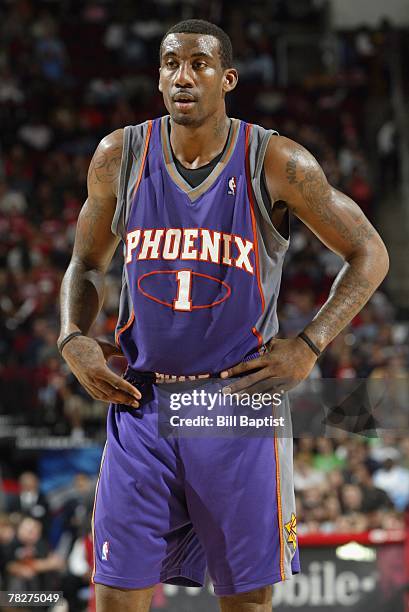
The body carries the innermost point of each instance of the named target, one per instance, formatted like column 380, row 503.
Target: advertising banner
column 351, row 576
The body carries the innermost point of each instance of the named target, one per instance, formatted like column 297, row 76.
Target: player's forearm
column 81, row 297
column 352, row 288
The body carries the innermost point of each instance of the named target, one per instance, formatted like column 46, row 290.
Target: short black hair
column 200, row 26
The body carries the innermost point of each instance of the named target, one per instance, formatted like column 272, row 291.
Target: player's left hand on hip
column 286, row 364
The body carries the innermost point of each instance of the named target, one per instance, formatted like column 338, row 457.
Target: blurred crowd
column 343, row 485
column 71, row 72
column 45, row 541
column 347, row 485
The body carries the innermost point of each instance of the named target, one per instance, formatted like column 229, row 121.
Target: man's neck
column 197, row 146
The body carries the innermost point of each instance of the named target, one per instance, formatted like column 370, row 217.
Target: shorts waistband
column 138, row 376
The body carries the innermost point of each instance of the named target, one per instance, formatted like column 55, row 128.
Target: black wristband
column 310, row 343
column 67, row 339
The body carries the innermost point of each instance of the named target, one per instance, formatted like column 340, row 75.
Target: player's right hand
column 86, row 359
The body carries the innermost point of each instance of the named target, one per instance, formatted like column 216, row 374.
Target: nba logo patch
column 105, row 551
column 231, row 186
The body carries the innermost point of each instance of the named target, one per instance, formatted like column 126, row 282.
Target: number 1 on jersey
column 183, row 301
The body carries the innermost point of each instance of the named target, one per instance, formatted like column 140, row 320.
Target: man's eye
column 170, row 64
column 198, row 65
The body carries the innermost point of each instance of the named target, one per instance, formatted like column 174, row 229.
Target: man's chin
column 185, row 119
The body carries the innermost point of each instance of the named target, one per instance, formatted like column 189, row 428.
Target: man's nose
column 184, row 77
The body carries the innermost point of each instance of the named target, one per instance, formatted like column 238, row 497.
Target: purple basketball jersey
column 193, row 298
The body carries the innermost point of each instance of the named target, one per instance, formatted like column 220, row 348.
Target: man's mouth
column 184, row 101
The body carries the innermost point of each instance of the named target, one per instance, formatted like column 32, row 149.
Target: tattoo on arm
column 316, row 192
column 105, row 168
column 82, row 289
column 86, row 236
column 82, row 294
column 362, row 273
column 350, row 291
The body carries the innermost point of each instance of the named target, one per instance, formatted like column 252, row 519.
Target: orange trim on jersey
column 145, row 152
column 279, row 510
column 253, row 217
column 127, row 324
column 93, row 516
column 258, row 336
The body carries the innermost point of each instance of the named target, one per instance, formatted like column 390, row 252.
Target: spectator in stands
column 305, row 475
column 76, row 581
column 326, row 459
column 385, row 448
column 352, row 499
column 373, row 498
column 7, row 535
column 29, row 564
column 386, row 140
column 50, row 50
column 358, row 187
column 357, row 456
column 404, row 449
column 300, row 310
column 78, row 506
column 332, row 512
column 29, row 501
column 335, row 481
column 351, row 523
column 394, row 480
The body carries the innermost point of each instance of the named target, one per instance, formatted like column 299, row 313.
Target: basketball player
column 201, row 203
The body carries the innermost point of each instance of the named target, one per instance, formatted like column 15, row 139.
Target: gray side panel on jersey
column 284, row 441
column 132, row 159
column 271, row 245
column 272, row 248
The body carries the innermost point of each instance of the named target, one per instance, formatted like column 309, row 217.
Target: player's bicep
column 104, row 169
column 335, row 219
column 331, row 215
column 95, row 243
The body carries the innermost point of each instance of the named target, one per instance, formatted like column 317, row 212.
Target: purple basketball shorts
column 168, row 508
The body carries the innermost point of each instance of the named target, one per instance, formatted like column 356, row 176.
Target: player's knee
column 258, row 600
column 110, row 599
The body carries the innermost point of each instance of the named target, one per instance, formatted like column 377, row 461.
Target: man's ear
column 230, row 79
column 159, row 84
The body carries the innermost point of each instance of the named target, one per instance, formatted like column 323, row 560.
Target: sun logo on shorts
column 291, row 528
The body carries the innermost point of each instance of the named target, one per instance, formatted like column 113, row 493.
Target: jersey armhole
column 264, row 203
column 134, row 152
column 269, row 207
